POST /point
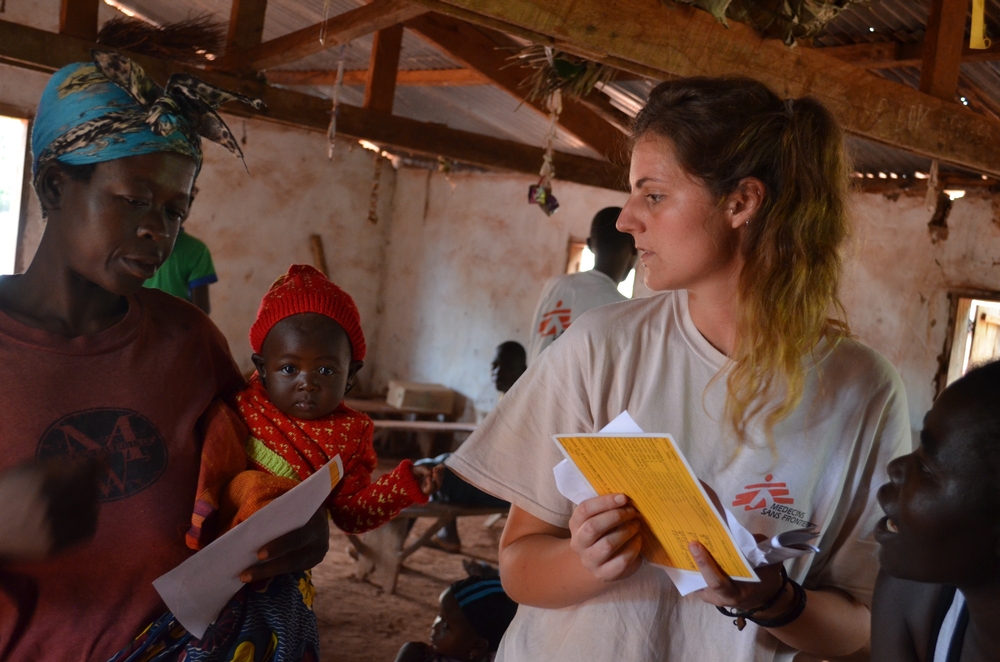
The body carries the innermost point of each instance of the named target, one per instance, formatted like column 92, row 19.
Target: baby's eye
column 287, row 370
column 326, row 372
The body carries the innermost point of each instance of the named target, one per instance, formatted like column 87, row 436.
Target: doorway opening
column 13, row 147
column 974, row 337
column 581, row 258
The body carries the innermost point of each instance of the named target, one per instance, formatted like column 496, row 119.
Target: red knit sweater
column 356, row 504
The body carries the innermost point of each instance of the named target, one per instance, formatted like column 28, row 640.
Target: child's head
column 942, row 502
column 307, row 343
column 475, row 613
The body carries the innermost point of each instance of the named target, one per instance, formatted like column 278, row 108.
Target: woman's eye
column 287, row 370
column 654, row 197
column 136, row 202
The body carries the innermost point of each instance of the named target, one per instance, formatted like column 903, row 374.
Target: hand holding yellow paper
column 652, row 472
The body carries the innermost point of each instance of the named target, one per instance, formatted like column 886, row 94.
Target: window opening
column 13, row 143
column 581, row 258
column 976, row 336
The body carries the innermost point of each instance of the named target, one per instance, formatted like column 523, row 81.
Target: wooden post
column 78, row 18
column 943, row 48
column 319, row 255
column 380, row 89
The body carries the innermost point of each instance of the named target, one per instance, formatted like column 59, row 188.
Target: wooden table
column 381, row 552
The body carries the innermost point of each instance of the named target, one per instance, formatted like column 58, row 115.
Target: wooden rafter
column 892, row 54
column 942, row 54
column 651, row 39
column 246, row 25
column 78, row 18
column 332, row 32
column 380, row 85
column 415, row 77
column 489, row 52
column 39, row 50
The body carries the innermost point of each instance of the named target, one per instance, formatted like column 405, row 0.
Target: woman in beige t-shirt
column 737, row 207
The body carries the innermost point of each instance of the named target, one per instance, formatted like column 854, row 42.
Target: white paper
column 573, row 485
column 198, row 589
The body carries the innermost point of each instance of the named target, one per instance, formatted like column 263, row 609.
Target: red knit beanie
column 305, row 289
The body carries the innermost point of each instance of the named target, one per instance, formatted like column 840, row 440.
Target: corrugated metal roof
column 488, row 110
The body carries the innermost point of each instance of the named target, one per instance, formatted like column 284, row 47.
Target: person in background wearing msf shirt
column 188, row 271
column 565, row 298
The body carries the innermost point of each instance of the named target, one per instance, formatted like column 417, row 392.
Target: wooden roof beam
column 651, row 39
column 380, row 85
column 942, row 54
column 893, row 54
column 489, row 54
column 330, row 33
column 413, row 77
column 78, row 18
column 38, row 50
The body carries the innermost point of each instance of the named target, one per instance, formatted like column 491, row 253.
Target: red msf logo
column 777, row 491
column 555, row 321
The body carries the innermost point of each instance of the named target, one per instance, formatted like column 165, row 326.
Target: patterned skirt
column 267, row 621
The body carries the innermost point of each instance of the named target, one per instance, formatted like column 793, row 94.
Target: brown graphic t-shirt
column 132, row 395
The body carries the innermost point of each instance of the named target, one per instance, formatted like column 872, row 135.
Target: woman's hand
column 301, row 549
column 605, row 533
column 723, row 591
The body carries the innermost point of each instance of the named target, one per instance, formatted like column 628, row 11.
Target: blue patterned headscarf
column 110, row 109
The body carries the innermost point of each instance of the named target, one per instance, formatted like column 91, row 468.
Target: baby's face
column 940, row 505
column 305, row 364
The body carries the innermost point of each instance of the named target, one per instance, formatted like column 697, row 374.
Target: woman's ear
column 49, row 186
column 258, row 362
column 742, row 205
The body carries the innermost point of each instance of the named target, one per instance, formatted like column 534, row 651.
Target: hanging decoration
column 787, row 20
column 977, row 34
column 322, row 27
column 331, row 131
column 554, row 74
column 373, row 198
column 541, row 193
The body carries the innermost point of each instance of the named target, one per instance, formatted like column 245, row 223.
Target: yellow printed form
column 655, row 476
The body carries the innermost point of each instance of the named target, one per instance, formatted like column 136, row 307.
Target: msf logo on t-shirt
column 555, row 322
column 128, row 442
column 773, row 500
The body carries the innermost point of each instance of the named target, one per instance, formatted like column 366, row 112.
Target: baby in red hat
column 308, row 346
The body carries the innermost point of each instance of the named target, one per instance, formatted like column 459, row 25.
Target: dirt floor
column 359, row 622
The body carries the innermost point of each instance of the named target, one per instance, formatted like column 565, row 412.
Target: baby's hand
column 428, row 477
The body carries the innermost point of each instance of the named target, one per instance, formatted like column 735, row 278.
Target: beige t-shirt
column 647, row 357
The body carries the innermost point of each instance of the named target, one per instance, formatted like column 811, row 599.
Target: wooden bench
column 381, row 552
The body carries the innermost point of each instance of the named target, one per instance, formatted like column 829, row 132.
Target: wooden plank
column 246, row 25
column 651, row 39
column 891, row 54
column 78, row 18
column 942, row 54
column 380, row 86
column 489, row 54
column 413, row 77
column 39, row 50
column 332, row 32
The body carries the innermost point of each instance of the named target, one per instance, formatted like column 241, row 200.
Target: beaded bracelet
column 740, row 616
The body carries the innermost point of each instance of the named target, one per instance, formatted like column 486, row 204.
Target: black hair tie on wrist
column 798, row 606
column 740, row 616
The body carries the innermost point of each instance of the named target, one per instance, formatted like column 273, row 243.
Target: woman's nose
column 153, row 226
column 627, row 222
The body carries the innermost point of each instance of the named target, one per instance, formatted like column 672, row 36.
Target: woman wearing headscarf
column 95, row 366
